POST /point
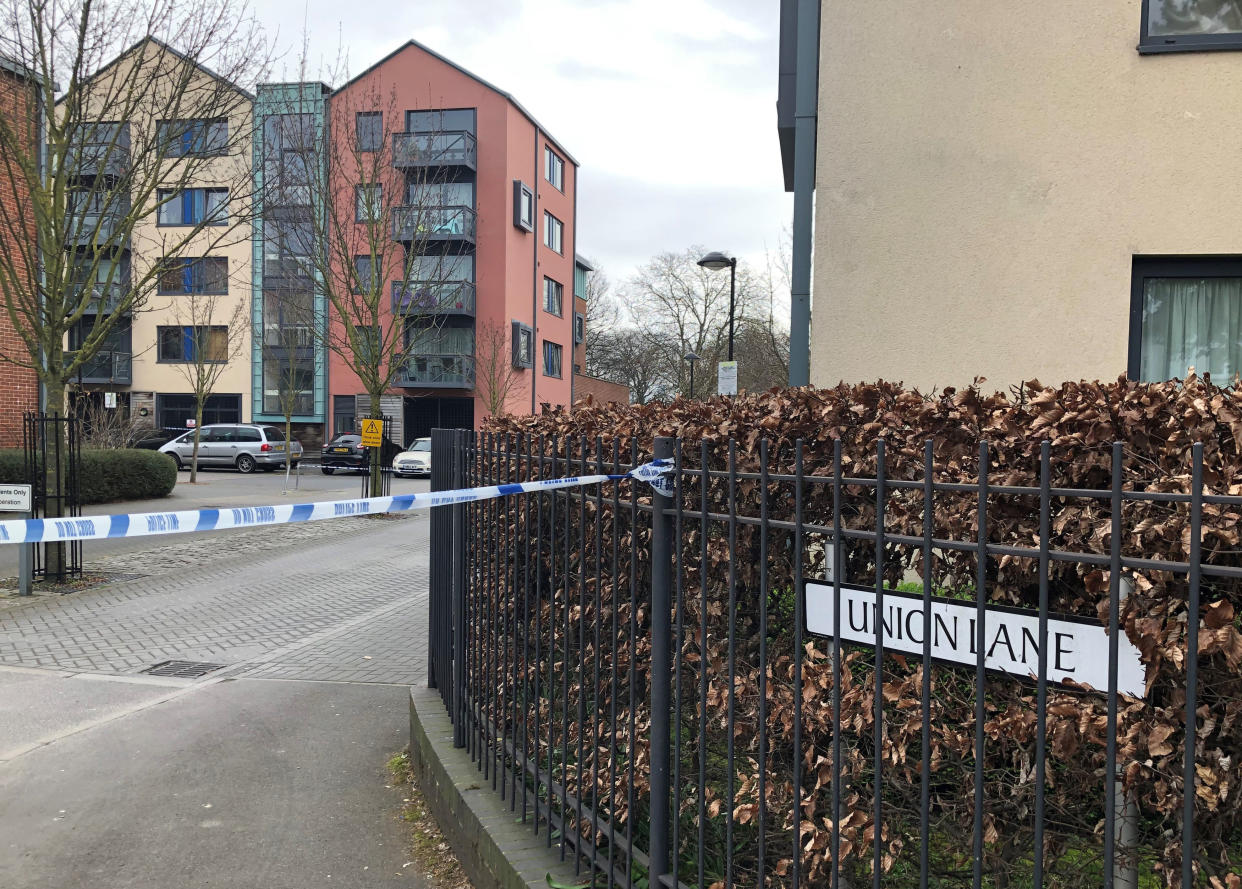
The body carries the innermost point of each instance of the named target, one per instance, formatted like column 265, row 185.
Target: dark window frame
column 554, row 162
column 378, row 204
column 559, row 351
column 521, row 190
column 558, row 288
column 523, row 332
column 548, row 220
column 369, row 115
column 179, row 197
column 355, row 284
column 193, row 129
column 183, row 328
column 1162, row 43
column 579, row 327
column 187, row 264
column 1145, row 267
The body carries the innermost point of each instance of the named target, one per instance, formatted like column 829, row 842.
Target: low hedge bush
column 108, row 475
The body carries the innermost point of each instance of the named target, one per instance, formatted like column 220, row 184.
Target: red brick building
column 19, row 387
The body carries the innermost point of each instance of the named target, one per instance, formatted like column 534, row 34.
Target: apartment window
column 523, row 206
column 368, row 203
column 553, row 232
column 523, row 345
column 370, row 130
column 450, row 120
column 553, row 296
column 193, row 138
column 187, row 345
column 554, row 168
column 1183, row 25
column 202, row 274
column 173, row 410
column 193, row 206
column 552, row 354
column 362, row 274
column 366, row 343
column 579, row 327
column 1185, row 313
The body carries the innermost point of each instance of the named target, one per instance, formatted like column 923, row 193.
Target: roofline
column 16, row 68
column 323, row 87
column 179, row 54
column 431, row 52
column 578, row 260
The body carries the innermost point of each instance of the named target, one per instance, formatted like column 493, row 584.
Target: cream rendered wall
column 987, row 171
column 232, row 171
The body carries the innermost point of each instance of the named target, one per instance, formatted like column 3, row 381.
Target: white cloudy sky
column 668, row 105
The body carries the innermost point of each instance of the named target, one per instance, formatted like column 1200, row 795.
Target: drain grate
column 181, row 669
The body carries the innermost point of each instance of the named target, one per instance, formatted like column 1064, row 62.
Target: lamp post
column 690, row 358
column 717, row 261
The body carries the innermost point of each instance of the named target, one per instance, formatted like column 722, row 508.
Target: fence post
column 460, row 440
column 661, row 673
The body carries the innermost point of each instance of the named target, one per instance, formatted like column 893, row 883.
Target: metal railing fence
column 648, row 684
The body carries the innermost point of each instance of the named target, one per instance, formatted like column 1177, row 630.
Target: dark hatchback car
column 347, row 452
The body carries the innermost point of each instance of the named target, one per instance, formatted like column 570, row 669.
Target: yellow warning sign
column 372, row 433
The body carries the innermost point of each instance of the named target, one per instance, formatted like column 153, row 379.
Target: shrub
column 1158, row 425
column 108, row 475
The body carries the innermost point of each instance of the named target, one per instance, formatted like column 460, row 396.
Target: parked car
column 246, row 447
column 346, row 451
column 415, row 459
column 152, row 439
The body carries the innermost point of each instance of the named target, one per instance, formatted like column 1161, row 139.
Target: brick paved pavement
column 342, row 600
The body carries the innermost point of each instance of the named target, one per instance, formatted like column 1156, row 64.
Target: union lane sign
column 1077, row 647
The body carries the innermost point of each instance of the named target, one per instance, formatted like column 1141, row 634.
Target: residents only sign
column 14, row 498
column 1077, row 647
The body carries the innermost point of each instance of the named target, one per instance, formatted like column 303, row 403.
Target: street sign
column 191, row 423
column 372, row 433
column 726, row 378
column 1077, row 647
column 110, row 399
column 14, row 498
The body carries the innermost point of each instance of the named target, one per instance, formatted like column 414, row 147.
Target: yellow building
column 1018, row 193
column 187, row 262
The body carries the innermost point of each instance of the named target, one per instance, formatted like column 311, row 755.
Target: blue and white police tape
column 149, row 524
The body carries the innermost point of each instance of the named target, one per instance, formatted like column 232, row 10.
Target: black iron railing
column 736, row 685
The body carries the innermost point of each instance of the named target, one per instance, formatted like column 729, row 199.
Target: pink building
column 504, row 201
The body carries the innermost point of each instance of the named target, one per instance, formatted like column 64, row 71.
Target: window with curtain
column 1188, row 314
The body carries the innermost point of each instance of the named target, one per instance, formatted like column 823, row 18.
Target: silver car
column 246, row 447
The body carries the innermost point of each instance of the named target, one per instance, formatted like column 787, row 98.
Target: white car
column 415, row 460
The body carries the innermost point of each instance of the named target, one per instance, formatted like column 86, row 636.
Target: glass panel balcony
column 99, row 227
column 413, row 224
column 437, row 372
column 104, row 297
column 433, row 298
column 105, row 367
column 447, row 149
column 100, row 155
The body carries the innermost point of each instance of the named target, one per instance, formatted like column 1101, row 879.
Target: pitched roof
column 176, row 52
column 431, row 52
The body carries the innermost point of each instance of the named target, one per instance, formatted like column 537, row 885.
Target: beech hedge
column 1158, row 424
column 108, row 475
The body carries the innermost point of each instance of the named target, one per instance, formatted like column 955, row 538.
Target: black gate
column 649, row 684
column 53, row 463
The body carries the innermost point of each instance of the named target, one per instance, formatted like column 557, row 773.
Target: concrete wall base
column 495, row 849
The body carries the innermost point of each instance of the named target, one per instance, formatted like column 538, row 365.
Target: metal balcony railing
column 413, row 223
column 104, row 297
column 92, row 159
column 437, row 372
column 97, row 227
column 433, row 298
column 105, row 367
column 447, row 149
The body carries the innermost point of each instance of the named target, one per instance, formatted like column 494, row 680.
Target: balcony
column 105, row 367
column 97, row 227
column 425, row 224
column 433, row 298
column 99, row 158
column 104, row 297
column 288, row 273
column 437, row 372
column 447, row 149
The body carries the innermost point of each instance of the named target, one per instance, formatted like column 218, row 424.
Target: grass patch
column 429, row 850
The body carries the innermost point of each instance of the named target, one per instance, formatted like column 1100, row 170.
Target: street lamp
column 717, row 261
column 690, row 358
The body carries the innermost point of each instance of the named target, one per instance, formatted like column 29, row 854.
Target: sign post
column 726, row 378
column 17, row 498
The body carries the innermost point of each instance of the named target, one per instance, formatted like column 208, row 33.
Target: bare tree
column 627, row 356
column 496, row 377
column 209, row 334
column 382, row 248
column 135, row 101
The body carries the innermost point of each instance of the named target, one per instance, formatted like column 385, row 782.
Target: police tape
column 150, row 524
